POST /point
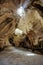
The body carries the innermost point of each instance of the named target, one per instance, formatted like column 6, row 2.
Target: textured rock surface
column 31, row 23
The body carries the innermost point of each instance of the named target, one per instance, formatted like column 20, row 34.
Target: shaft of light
column 26, row 3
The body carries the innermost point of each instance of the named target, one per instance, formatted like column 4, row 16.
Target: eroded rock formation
column 30, row 25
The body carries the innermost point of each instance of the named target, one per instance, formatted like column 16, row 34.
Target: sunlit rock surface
column 31, row 23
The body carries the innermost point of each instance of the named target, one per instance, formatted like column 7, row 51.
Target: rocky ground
column 16, row 56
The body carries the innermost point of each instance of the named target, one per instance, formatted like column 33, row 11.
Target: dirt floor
column 16, row 56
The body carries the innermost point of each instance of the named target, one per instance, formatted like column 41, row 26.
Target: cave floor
column 16, row 56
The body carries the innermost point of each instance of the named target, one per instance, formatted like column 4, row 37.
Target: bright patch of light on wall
column 20, row 11
column 18, row 32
